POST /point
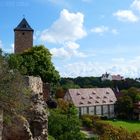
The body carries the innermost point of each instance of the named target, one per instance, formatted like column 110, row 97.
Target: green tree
column 65, row 125
column 124, row 107
column 37, row 62
column 134, row 93
column 60, row 92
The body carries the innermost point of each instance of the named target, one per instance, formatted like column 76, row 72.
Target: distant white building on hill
column 93, row 101
column 110, row 77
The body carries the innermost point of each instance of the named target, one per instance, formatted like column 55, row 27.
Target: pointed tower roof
column 23, row 26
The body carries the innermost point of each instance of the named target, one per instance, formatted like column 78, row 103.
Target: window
column 103, row 101
column 78, row 93
column 107, row 92
column 91, row 110
column 82, row 97
column 89, row 102
column 83, row 110
column 24, row 25
column 81, row 103
column 96, row 102
column 98, row 110
column 111, row 101
column 97, row 97
column 90, row 97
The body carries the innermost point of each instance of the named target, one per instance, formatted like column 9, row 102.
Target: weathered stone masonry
column 23, row 37
column 38, row 116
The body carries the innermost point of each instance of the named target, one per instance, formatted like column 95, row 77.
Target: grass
column 131, row 126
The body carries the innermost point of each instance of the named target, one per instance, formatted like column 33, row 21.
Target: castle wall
column 34, row 83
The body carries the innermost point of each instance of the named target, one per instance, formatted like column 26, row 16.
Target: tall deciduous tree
column 124, row 107
column 37, row 62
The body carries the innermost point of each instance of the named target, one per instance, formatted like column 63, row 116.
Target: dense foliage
column 37, row 62
column 125, row 104
column 89, row 82
column 13, row 95
column 107, row 131
column 64, row 123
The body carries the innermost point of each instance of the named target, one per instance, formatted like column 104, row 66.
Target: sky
column 85, row 37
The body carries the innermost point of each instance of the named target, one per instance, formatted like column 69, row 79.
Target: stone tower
column 23, row 37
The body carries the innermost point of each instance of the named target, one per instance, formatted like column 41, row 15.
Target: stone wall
column 38, row 117
column 33, row 125
column 35, row 84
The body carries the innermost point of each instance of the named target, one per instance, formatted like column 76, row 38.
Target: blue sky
column 86, row 37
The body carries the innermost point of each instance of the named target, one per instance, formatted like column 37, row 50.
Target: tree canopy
column 125, row 104
column 91, row 82
column 64, row 123
column 37, row 62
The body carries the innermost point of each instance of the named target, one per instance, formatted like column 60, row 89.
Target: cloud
column 126, row 15
column 69, row 50
column 100, row 29
column 114, row 31
column 103, row 29
column 136, row 5
column 69, row 27
column 9, row 49
column 65, row 31
column 81, row 69
column 127, row 68
column 12, row 47
column 118, row 60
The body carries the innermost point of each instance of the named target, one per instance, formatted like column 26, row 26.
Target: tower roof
column 23, row 26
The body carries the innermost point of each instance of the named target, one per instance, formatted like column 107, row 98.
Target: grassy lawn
column 131, row 126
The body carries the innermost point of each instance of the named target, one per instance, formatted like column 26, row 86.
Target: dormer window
column 107, row 92
column 81, row 103
column 111, row 101
column 97, row 97
column 93, row 93
column 89, row 102
column 96, row 102
column 24, row 26
column 103, row 101
column 90, row 97
column 78, row 93
column 82, row 97
column 105, row 97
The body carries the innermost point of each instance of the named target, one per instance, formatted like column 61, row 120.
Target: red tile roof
column 92, row 96
column 117, row 77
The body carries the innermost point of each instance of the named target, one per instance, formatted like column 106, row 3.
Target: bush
column 106, row 131
column 51, row 138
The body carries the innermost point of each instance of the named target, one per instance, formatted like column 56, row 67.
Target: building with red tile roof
column 110, row 77
column 94, row 101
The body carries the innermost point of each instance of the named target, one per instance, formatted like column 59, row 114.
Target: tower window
column 23, row 33
column 24, row 26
